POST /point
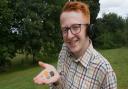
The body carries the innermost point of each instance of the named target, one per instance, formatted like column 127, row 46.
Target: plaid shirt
column 92, row 71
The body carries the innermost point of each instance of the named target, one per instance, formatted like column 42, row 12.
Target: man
column 80, row 66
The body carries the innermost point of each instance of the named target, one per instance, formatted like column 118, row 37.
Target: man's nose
column 69, row 34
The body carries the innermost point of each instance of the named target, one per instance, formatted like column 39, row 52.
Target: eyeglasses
column 75, row 29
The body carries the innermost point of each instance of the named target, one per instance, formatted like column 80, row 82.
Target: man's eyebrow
column 66, row 27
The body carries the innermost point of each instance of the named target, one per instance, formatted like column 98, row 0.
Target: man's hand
column 54, row 77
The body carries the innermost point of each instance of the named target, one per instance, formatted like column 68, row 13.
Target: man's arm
column 110, row 81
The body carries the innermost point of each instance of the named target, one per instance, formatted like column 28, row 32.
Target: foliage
column 7, row 46
column 111, row 31
column 94, row 6
column 28, row 25
column 32, row 26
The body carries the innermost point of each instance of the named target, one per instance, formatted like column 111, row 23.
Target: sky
column 117, row 6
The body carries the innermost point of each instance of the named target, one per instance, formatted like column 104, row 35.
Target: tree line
column 111, row 31
column 32, row 27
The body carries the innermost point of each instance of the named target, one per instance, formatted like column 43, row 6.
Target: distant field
column 22, row 79
column 119, row 61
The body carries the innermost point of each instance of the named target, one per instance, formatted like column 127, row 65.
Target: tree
column 110, row 31
column 37, row 25
column 7, row 44
column 124, row 33
column 32, row 25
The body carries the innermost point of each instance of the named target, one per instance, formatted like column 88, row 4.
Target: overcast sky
column 118, row 6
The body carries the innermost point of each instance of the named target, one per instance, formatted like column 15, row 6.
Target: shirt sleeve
column 61, row 57
column 110, row 81
column 58, row 84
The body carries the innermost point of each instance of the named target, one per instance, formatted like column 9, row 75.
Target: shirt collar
column 85, row 59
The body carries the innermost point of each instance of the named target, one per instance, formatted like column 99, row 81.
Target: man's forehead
column 72, row 17
column 71, row 13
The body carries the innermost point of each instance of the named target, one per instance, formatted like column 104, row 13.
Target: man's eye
column 76, row 26
column 64, row 30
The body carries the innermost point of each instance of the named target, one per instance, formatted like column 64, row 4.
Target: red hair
column 77, row 6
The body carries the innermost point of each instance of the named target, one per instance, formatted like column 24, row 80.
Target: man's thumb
column 44, row 65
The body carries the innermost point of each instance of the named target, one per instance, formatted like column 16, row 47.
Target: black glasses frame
column 74, row 29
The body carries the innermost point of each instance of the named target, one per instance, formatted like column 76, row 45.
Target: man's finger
column 44, row 65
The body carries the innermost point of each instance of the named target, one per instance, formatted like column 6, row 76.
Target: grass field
column 119, row 61
column 22, row 79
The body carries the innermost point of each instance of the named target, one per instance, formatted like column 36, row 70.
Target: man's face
column 74, row 38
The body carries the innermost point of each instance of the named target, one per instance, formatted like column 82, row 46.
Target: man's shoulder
column 100, row 61
column 63, row 53
column 64, row 50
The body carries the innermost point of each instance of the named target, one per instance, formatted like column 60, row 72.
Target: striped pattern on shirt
column 92, row 71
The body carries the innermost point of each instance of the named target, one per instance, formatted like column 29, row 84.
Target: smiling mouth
column 72, row 43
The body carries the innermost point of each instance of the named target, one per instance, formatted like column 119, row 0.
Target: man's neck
column 81, row 53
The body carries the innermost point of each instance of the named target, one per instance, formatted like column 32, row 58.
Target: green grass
column 20, row 75
column 22, row 78
column 118, row 58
